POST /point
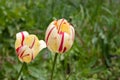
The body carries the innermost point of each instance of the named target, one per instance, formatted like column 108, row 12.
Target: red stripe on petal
column 62, row 41
column 17, row 50
column 32, row 44
column 49, row 34
column 60, row 25
column 22, row 38
column 25, row 55
column 64, row 49
column 20, row 55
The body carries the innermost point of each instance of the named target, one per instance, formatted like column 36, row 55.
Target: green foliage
column 96, row 50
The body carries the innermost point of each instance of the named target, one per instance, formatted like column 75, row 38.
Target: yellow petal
column 36, row 48
column 17, row 43
column 65, row 28
column 30, row 41
column 62, row 25
column 68, row 42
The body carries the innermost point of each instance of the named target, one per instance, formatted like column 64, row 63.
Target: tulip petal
column 30, row 40
column 20, row 38
column 33, row 43
column 21, row 34
column 42, row 44
column 54, row 36
column 67, row 42
column 62, row 41
column 28, row 55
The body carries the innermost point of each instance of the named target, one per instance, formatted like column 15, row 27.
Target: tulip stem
column 18, row 76
column 55, row 58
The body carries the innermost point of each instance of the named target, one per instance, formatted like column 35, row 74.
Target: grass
column 96, row 50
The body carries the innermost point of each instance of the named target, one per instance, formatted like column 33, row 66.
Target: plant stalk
column 19, row 74
column 55, row 59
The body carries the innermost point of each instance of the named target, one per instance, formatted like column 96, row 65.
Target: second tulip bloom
column 28, row 46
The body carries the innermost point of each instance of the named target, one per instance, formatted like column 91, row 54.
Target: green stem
column 21, row 70
column 55, row 58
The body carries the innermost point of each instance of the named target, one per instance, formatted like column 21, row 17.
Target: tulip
column 59, row 36
column 28, row 46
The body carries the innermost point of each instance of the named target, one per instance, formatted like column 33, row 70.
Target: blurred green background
column 95, row 54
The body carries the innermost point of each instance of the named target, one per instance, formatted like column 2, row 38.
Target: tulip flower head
column 28, row 46
column 59, row 36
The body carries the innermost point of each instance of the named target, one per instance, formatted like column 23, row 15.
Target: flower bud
column 59, row 36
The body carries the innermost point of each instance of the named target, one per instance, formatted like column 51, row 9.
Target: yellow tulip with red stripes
column 28, row 46
column 59, row 36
